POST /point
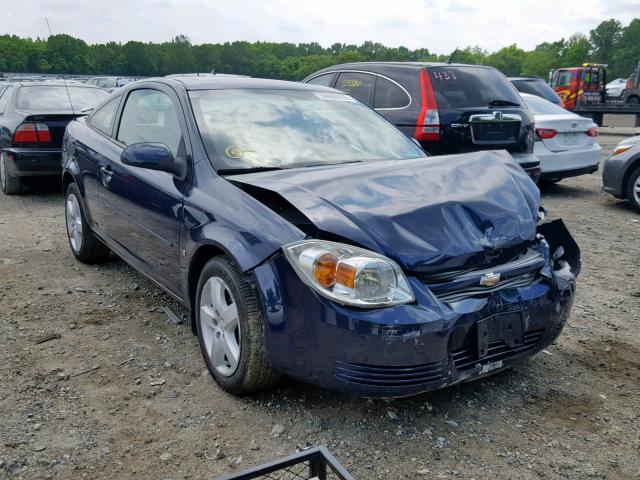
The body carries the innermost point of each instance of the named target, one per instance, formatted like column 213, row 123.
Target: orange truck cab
column 583, row 85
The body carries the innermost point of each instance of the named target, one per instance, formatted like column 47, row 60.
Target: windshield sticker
column 444, row 76
column 235, row 152
column 335, row 97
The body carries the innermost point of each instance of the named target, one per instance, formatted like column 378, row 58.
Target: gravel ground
column 123, row 392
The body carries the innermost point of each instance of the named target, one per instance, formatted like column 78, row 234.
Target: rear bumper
column 568, row 163
column 25, row 162
column 572, row 172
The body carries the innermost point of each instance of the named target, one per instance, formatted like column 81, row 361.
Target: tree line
column 610, row 42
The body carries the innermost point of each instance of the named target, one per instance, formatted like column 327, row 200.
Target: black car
column 536, row 86
column 33, row 117
column 448, row 108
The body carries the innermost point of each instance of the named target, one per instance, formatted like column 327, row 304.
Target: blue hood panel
column 422, row 213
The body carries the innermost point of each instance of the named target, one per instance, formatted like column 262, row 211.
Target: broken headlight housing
column 349, row 275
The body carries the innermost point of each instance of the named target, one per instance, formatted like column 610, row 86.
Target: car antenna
column 452, row 55
column 66, row 87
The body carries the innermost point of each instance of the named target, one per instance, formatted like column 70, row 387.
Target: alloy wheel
column 74, row 222
column 220, row 325
column 636, row 191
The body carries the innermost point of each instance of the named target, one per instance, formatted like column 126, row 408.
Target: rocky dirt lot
column 122, row 392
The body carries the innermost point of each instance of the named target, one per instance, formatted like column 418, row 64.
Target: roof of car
column 404, row 64
column 215, row 82
column 525, row 77
column 54, row 83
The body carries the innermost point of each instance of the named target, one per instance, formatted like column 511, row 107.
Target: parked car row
column 33, row 117
column 306, row 234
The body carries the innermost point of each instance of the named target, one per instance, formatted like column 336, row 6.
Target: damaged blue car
column 309, row 237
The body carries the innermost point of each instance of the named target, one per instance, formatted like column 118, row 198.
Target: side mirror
column 154, row 156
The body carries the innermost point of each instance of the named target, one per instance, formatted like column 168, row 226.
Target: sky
column 439, row 26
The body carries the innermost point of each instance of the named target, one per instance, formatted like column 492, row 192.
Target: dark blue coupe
column 308, row 236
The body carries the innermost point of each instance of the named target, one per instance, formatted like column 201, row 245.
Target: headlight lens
column 349, row 275
column 621, row 149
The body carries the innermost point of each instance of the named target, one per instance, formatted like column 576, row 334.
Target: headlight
column 349, row 275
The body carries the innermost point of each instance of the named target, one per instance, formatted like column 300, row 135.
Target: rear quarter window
column 390, row 95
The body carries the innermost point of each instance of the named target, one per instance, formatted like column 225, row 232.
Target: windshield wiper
column 502, row 103
column 327, row 164
column 235, row 171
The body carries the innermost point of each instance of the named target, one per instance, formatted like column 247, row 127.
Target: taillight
column 544, row 133
column 428, row 123
column 592, row 132
column 32, row 133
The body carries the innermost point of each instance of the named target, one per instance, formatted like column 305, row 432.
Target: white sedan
column 565, row 142
column 616, row 87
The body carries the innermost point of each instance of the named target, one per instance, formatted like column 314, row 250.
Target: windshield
column 539, row 88
column 249, row 129
column 540, row 106
column 469, row 87
column 56, row 97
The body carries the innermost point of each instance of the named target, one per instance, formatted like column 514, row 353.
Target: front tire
column 85, row 246
column 10, row 185
column 230, row 329
column 633, row 189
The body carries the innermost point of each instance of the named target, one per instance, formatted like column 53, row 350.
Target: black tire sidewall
column 82, row 253
column 632, row 180
column 220, row 267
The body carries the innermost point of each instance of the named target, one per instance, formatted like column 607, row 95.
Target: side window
column 358, row 85
column 149, row 116
column 102, row 119
column 324, row 80
column 390, row 95
column 4, row 98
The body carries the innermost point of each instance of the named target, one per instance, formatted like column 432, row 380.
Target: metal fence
column 315, row 463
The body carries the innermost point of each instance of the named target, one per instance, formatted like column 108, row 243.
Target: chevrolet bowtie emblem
column 489, row 279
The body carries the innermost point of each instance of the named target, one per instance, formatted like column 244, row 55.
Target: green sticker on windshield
column 235, row 152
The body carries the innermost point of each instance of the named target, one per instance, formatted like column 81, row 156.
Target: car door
column 87, row 154
column 145, row 206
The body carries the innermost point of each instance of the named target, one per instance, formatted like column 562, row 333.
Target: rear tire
column 230, row 329
column 633, row 189
column 633, row 100
column 85, row 246
column 10, row 185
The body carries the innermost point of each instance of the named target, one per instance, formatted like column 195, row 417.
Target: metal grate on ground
column 311, row 464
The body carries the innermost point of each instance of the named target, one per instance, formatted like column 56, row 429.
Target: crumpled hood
column 423, row 213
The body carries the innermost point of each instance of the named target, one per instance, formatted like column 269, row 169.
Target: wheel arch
column 634, row 164
column 67, row 179
column 200, row 257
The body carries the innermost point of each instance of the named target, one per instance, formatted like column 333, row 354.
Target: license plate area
column 506, row 327
column 571, row 138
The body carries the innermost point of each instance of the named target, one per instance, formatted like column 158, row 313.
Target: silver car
column 621, row 171
column 565, row 143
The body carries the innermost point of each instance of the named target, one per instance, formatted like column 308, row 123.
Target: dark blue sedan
column 308, row 236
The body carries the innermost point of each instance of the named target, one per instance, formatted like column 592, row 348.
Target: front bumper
column 406, row 349
column 28, row 162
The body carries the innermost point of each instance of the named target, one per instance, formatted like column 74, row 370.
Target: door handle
column 106, row 174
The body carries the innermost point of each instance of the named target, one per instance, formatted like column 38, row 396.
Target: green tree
column 604, row 39
column 627, row 53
